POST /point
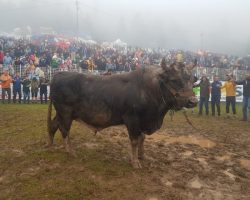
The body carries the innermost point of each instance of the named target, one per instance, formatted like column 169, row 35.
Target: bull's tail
column 49, row 121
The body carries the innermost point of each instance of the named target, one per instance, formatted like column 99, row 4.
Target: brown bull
column 139, row 100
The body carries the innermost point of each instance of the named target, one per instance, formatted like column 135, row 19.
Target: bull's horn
column 163, row 63
column 176, row 66
column 192, row 65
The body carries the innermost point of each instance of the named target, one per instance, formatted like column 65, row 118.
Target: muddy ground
column 182, row 163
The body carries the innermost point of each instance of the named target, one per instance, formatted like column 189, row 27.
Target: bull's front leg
column 134, row 157
column 141, row 139
column 133, row 126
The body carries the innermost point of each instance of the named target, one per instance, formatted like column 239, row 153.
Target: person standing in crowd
column 1, row 57
column 6, row 81
column 204, row 94
column 17, row 87
column 7, row 60
column 229, row 85
column 43, row 90
column 34, row 89
column 30, row 70
column 55, row 61
column 26, row 89
column 67, row 64
column 36, row 60
column 195, row 89
column 179, row 57
column 216, row 95
column 91, row 64
column 246, row 96
column 109, row 65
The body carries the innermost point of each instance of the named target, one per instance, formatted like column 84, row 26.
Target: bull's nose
column 193, row 99
column 192, row 102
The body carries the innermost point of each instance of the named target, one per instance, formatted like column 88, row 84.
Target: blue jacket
column 17, row 83
column 7, row 60
column 216, row 91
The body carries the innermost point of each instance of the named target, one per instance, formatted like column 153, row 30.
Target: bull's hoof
column 48, row 146
column 60, row 147
column 141, row 157
column 136, row 164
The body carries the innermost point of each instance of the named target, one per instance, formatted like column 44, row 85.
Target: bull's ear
column 163, row 63
column 195, row 62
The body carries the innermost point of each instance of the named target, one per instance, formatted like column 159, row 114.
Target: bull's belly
column 93, row 128
column 98, row 120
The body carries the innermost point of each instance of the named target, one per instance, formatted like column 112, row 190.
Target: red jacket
column 1, row 56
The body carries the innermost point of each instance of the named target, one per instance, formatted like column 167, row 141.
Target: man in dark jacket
column 216, row 95
column 17, row 87
column 204, row 94
column 246, row 95
column 26, row 90
column 43, row 89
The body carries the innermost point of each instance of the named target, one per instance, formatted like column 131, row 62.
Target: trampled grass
column 101, row 170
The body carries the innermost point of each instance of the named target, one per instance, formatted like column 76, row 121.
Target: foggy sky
column 216, row 25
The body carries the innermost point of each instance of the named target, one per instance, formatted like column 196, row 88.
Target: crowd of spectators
column 94, row 56
column 23, row 88
column 27, row 62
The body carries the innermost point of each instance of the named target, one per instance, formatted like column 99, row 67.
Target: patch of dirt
column 197, row 166
column 245, row 163
column 190, row 139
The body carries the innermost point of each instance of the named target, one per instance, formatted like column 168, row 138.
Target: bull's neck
column 167, row 98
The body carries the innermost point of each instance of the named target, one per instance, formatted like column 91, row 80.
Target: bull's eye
column 177, row 95
column 177, row 83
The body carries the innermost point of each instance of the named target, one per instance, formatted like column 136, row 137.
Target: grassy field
column 182, row 163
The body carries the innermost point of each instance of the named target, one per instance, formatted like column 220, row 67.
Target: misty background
column 220, row 26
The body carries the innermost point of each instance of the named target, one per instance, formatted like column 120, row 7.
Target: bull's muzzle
column 192, row 102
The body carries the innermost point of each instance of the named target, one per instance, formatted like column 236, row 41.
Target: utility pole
column 77, row 19
column 202, row 42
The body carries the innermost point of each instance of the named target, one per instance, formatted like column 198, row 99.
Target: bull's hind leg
column 141, row 139
column 52, row 131
column 68, row 146
column 64, row 127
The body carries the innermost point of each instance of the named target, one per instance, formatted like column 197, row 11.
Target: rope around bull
column 187, row 119
column 184, row 111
